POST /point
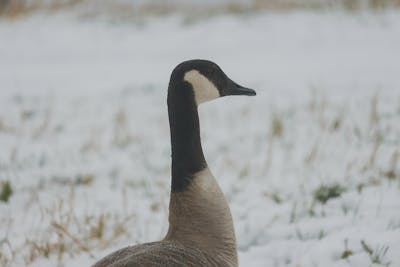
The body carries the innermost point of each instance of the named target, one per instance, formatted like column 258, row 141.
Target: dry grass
column 19, row 8
column 67, row 234
column 121, row 10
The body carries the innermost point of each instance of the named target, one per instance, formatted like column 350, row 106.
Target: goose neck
column 187, row 153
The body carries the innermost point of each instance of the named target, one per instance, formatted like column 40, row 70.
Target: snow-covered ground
column 84, row 135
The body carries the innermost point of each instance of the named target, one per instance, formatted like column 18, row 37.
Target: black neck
column 187, row 154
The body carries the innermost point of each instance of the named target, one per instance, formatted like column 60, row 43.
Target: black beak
column 236, row 89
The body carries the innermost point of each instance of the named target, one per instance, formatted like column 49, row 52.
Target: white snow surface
column 84, row 135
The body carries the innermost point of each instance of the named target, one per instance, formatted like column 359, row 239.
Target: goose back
column 162, row 253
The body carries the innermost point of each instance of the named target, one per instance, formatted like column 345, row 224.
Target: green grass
column 6, row 191
column 377, row 255
column 323, row 193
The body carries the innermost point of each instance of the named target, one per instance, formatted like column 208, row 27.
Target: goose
column 201, row 231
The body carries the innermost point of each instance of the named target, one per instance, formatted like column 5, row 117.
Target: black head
column 207, row 80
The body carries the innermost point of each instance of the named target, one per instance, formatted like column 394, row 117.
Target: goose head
column 206, row 80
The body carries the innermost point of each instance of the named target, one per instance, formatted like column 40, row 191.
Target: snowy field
column 310, row 166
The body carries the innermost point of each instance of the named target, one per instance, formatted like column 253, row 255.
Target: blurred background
column 310, row 166
column 128, row 8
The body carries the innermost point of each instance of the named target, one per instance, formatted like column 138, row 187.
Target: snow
column 84, row 134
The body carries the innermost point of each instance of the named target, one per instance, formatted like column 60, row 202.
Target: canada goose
column 201, row 231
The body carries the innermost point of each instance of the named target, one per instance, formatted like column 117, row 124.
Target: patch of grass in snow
column 74, row 236
column 97, row 231
column 122, row 136
column 81, row 179
column 394, row 224
column 84, row 179
column 293, row 215
column 308, row 236
column 192, row 10
column 274, row 196
column 18, row 8
column 325, row 192
column 376, row 255
column 43, row 250
column 312, row 155
column 5, row 258
column 390, row 173
column 346, row 252
column 277, row 126
column 348, row 206
column 6, row 191
column 65, row 234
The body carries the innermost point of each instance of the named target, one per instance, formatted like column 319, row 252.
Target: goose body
column 201, row 231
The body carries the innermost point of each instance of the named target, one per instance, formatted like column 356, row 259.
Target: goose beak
column 236, row 89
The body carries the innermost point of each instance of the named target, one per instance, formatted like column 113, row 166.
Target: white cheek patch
column 204, row 90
